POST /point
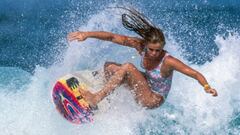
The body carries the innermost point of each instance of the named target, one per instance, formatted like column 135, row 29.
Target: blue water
column 34, row 52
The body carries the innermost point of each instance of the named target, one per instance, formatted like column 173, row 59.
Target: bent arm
column 181, row 67
column 177, row 65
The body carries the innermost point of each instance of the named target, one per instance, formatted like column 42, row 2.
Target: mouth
column 153, row 56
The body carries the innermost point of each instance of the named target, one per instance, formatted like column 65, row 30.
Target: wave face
column 203, row 34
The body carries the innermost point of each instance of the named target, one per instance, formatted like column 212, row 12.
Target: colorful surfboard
column 69, row 102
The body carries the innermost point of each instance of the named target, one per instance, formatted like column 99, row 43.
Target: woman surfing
column 150, row 89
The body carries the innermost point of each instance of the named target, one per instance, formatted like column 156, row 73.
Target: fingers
column 213, row 92
column 73, row 36
column 79, row 36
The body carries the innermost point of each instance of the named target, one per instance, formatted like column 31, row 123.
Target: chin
column 153, row 57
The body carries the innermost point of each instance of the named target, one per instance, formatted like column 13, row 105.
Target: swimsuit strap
column 164, row 57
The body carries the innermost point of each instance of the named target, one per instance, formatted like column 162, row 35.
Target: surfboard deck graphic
column 69, row 101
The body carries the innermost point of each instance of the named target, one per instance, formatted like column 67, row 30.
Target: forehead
column 154, row 45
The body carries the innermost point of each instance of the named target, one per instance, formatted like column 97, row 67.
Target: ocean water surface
column 34, row 53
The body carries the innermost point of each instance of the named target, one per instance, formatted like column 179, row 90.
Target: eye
column 157, row 50
column 150, row 49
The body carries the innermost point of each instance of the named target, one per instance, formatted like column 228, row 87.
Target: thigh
column 140, row 87
column 111, row 67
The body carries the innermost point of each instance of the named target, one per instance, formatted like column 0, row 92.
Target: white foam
column 188, row 108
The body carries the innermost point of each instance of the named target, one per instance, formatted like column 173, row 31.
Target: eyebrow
column 154, row 49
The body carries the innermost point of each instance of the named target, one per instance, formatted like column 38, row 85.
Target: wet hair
column 137, row 22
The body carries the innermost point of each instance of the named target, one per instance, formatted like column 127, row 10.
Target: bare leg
column 115, row 80
column 135, row 80
column 110, row 68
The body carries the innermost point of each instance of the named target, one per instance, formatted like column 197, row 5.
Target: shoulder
column 171, row 61
column 169, row 58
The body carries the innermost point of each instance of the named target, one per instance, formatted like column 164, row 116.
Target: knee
column 110, row 65
column 129, row 67
column 107, row 64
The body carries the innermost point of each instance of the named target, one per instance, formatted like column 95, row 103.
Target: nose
column 154, row 52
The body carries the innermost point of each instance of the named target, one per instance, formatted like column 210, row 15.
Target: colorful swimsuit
column 158, row 83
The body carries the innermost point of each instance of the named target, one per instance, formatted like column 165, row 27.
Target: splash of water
column 188, row 108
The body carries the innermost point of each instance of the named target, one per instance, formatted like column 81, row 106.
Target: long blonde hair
column 137, row 22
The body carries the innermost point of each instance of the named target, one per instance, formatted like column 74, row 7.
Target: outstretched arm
column 108, row 36
column 177, row 65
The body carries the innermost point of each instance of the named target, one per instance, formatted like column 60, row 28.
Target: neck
column 162, row 54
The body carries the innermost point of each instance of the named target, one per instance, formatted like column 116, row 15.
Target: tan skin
column 116, row 74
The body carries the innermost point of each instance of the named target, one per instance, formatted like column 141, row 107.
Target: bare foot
column 89, row 97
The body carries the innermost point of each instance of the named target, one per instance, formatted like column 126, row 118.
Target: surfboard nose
column 69, row 102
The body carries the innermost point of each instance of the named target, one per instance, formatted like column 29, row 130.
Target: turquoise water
column 34, row 53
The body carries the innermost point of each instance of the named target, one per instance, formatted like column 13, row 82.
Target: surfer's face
column 154, row 50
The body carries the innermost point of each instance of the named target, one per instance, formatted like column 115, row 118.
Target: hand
column 212, row 91
column 80, row 36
